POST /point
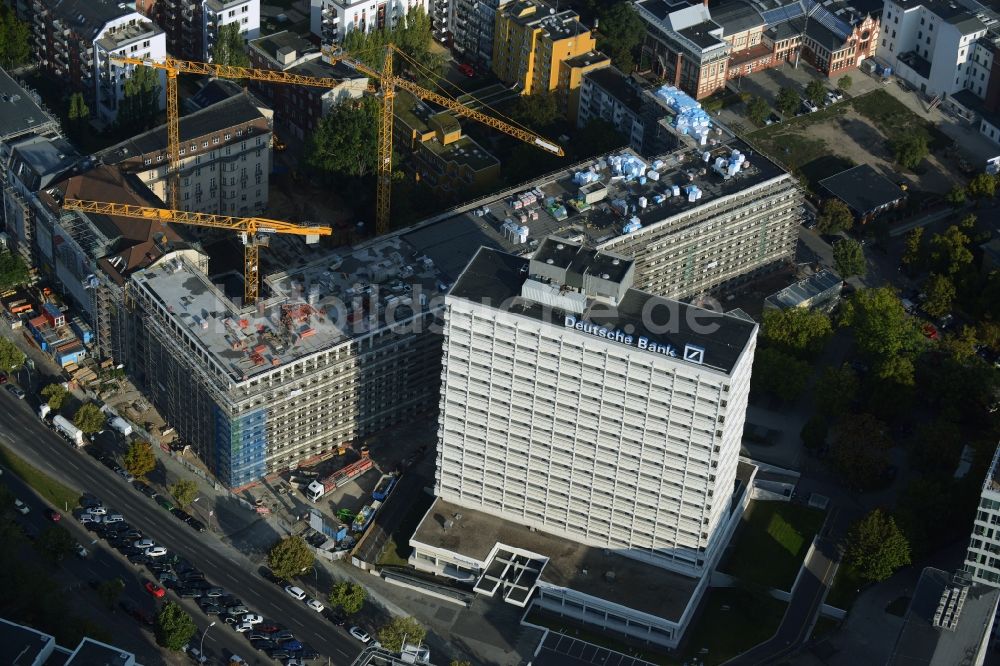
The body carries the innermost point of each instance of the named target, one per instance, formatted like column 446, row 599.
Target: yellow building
column 542, row 50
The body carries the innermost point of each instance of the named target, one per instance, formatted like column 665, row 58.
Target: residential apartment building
column 75, row 39
column 225, row 158
column 30, row 646
column 447, row 160
column 192, row 26
column 567, row 415
column 540, row 50
column 607, row 94
column 302, row 107
column 931, row 44
column 331, row 20
column 472, row 25
column 982, row 561
column 442, row 14
column 700, row 48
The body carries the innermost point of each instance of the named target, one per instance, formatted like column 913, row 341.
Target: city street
column 21, row 430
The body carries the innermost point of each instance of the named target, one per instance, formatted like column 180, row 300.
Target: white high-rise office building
column 982, row 561
column 592, row 425
column 589, row 440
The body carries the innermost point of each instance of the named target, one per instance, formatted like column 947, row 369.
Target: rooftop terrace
column 308, row 309
column 572, row 565
column 453, row 238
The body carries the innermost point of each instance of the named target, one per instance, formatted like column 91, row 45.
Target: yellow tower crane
column 388, row 82
column 254, row 231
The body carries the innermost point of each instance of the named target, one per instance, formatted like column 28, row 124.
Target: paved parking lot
column 560, row 650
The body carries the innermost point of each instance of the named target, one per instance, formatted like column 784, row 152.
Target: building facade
column 225, row 158
column 75, row 39
column 331, row 20
column 538, row 50
column 607, row 94
column 700, row 48
column 302, row 107
column 192, row 27
column 472, row 24
column 562, row 424
column 982, row 560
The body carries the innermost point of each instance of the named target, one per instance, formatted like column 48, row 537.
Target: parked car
column 467, row 69
column 144, row 543
column 124, row 473
column 21, row 507
column 360, row 634
column 296, row 592
column 188, row 593
column 282, row 635
column 155, row 589
column 808, row 105
column 156, row 551
column 196, row 524
column 252, row 618
column 14, row 391
column 263, row 644
column 315, row 605
column 53, row 515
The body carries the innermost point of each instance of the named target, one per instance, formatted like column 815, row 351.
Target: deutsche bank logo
column 694, row 354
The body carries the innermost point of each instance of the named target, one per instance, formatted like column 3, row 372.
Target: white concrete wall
column 149, row 46
column 246, row 14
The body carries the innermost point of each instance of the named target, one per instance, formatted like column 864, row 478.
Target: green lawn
column 786, row 144
column 732, row 621
column 56, row 493
column 847, row 584
column 894, row 119
column 771, row 543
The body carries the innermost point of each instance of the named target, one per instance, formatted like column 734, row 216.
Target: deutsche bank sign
column 691, row 353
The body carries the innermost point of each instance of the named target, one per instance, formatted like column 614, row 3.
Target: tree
column 13, row 271
column 787, row 101
column 849, row 258
column 816, row 91
column 230, row 48
column 961, row 345
column 184, row 491
column 78, row 109
column 779, row 374
column 141, row 101
column 798, row 331
column 537, row 110
column 56, row 395
column 913, row 247
column 881, row 327
column 89, row 418
column 757, row 109
column 290, row 557
column 401, row 629
column 940, row 294
column 845, row 82
column 834, row 217
column 836, row 390
column 55, row 542
column 345, row 143
column 950, row 251
column 937, row 447
column 460, row 662
column 139, row 459
column 982, row 186
column 11, row 358
column 876, row 547
column 814, row 432
column 860, row 450
column 955, row 197
column 620, row 35
column 174, row 627
column 910, row 149
column 349, row 597
column 15, row 47
column 110, row 591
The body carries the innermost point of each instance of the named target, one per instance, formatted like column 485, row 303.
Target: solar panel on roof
column 836, row 25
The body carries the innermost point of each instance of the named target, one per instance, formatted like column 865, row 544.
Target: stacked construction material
column 689, row 117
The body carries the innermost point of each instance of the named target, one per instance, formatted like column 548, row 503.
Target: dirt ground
column 852, row 136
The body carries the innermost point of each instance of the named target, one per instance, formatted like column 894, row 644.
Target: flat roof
column 494, row 277
column 701, row 35
column 19, row 112
column 616, row 84
column 20, row 644
column 464, row 151
column 95, row 653
column 124, row 35
column 920, row 642
column 336, row 298
column 863, row 188
column 806, row 289
column 736, row 16
column 88, row 17
column 270, row 44
column 453, row 237
column 635, row 584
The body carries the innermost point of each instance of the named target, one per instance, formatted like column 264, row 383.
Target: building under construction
column 346, row 343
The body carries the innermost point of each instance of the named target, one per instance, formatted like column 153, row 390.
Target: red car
column 3, row 377
column 467, row 70
column 53, row 515
column 155, row 590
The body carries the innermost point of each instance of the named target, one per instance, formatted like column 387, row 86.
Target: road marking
column 296, row 621
column 232, row 578
column 70, row 463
